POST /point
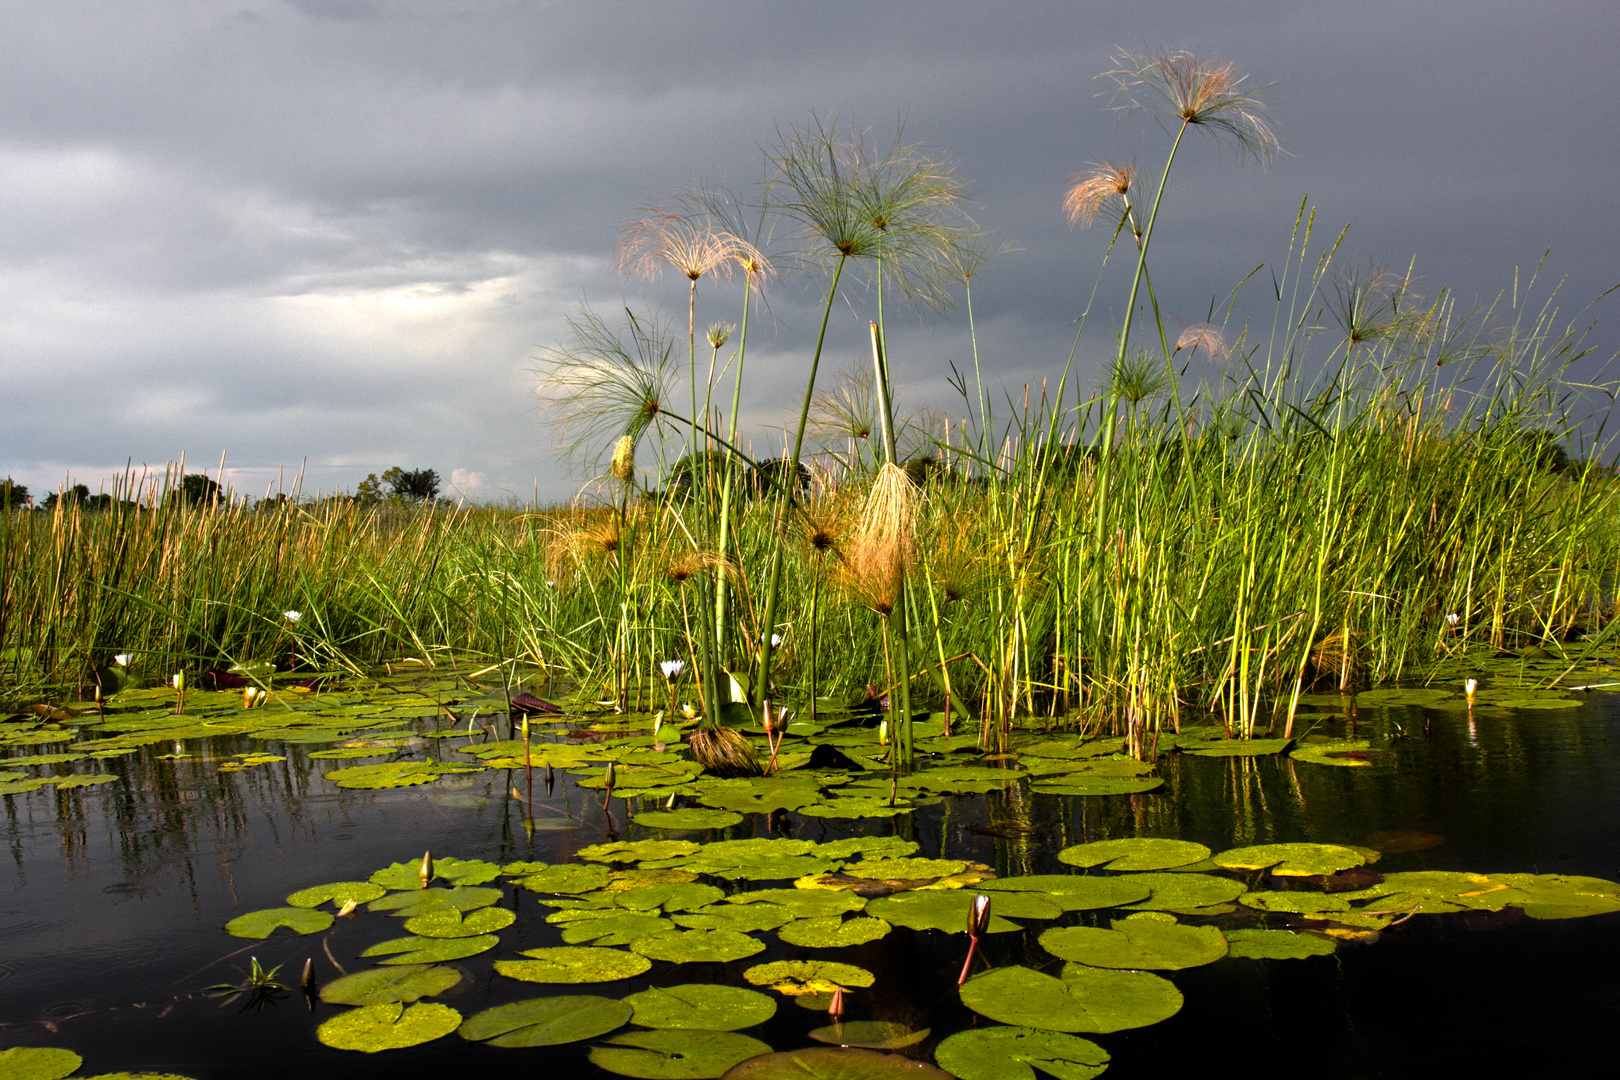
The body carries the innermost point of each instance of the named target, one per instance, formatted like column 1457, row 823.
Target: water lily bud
column 308, row 979
column 883, row 733
column 179, row 681
column 427, row 868
column 610, row 775
column 658, row 721
column 1453, row 619
column 1469, row 687
column 348, row 908
column 122, row 659
column 765, row 720
column 978, row 920
column 835, row 1008
column 623, row 467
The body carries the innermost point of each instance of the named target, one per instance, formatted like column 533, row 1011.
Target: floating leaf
column 832, row 932
column 675, row 1054
column 1401, row 696
column 856, row 808
column 1101, row 785
column 419, row 901
column 948, row 910
column 1344, row 752
column 37, row 1063
column 1073, row 892
column 450, row 923
column 379, row 986
column 828, row 1063
column 86, row 780
column 1301, row 903
column 1007, row 1053
column 1233, row 747
column 388, row 1027
column 1085, row 999
column 1172, row 891
column 671, row 897
column 1137, row 944
column 871, row 847
column 904, row 869
column 1276, row 944
column 338, row 892
column 548, row 1021
column 697, row 946
column 689, row 818
column 261, row 924
column 611, row 929
column 638, row 850
column 564, row 878
column 1557, row 896
column 1137, row 853
column 574, row 964
column 1291, row 860
column 803, row 903
column 870, row 1034
column 743, row 918
column 388, row 775
column 420, row 950
column 706, row 1006
column 759, row 795
column 795, row 977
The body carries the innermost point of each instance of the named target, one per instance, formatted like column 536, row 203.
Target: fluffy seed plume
column 1092, row 190
column 1206, row 336
column 1206, row 93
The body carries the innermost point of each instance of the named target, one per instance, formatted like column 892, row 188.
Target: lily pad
column 1399, row 696
column 548, row 1021
column 1291, row 860
column 638, row 850
column 450, row 923
column 420, row 950
column 706, row 1006
column 795, row 977
column 408, row 875
column 38, row 1063
column 405, row 905
column 904, row 869
column 697, row 946
column 689, row 818
column 675, row 1054
column 1136, row 853
column 1008, row 1053
column 856, row 807
column 261, row 924
column 948, row 910
column 84, row 780
column 338, row 892
column 1137, row 944
column 1276, row 944
column 870, row 1034
column 391, row 774
column 1098, row 785
column 1343, row 752
column 832, row 932
column 1233, row 747
column 379, row 985
column 804, row 903
column 671, row 897
column 1557, row 896
column 743, row 918
column 1173, row 891
column 829, row 1063
column 613, row 929
column 870, row 847
column 1073, row 892
column 574, row 964
column 389, row 1026
column 566, row 878
column 1085, row 999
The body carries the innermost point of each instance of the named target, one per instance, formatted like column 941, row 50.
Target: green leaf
column 803, row 903
column 947, row 910
column 1402, row 696
column 707, row 1006
column 638, row 850
column 420, row 901
column 870, row 1034
column 338, row 892
column 613, row 928
column 697, row 946
column 1172, row 891
column 548, row 1021
column 829, row 1063
column 421, row 950
column 86, row 780
column 450, row 923
column 1276, row 944
column 37, row 1063
column 833, row 932
column 573, row 964
column 261, row 924
column 759, row 795
column 1137, row 944
column 564, row 878
column 1291, row 860
column 1137, row 853
column 904, row 869
column 388, row 1027
column 1085, row 999
column 408, row 875
column 689, row 818
column 382, row 985
column 743, row 918
column 1099, row 785
column 390, row 774
column 1234, row 747
column 675, row 1055
column 856, row 808
column 670, row 897
column 1073, row 892
column 1344, row 752
column 870, row 847
column 1007, row 1053
column 1557, row 896
column 795, row 977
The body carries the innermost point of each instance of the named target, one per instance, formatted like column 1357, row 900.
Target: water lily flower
column 122, row 659
column 1469, row 688
column 1452, row 619
column 292, row 616
column 672, row 668
column 688, row 711
column 179, row 681
column 348, row 908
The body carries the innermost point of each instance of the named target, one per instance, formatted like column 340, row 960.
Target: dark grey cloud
column 336, row 230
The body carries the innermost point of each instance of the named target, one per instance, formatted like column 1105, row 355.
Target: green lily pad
column 1398, row 696
column 804, row 903
column 671, row 897
column 574, row 964
column 566, row 878
column 675, row 1054
column 390, row 774
column 380, row 986
column 706, row 1006
column 1085, row 999
column 344, row 753
column 796, row 977
column 869, row 847
column 1291, row 860
column 450, row 923
column 338, row 892
column 389, row 1026
column 832, row 932
column 856, row 807
column 1343, row 752
column 948, row 909
column 697, row 946
column 1008, row 1053
column 833, row 1063
column 420, row 950
column 743, row 918
column 548, row 1021
column 612, row 929
column 1176, row 891
column 1276, row 944
column 870, row 1034
column 23, row 787
column 85, row 780
column 1233, row 747
column 261, row 924
column 1073, row 892
column 760, row 795
column 1099, row 785
column 1302, row 903
column 37, row 1063
column 1136, row 853
column 1137, row 944
column 404, row 905
column 638, row 850
column 408, row 875
column 689, row 818
column 1557, row 896
column 904, row 869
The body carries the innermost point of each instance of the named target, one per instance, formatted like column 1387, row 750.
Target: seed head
column 623, row 466
column 1090, row 191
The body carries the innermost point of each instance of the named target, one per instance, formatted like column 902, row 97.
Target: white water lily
column 672, row 668
column 122, row 659
column 1453, row 619
column 1469, row 687
column 292, row 616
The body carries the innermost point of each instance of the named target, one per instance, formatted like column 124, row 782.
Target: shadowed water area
column 112, row 921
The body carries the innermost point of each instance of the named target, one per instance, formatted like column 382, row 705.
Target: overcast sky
column 338, row 231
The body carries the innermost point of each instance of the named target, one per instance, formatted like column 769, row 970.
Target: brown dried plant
column 1205, row 336
column 1090, row 191
column 1205, row 93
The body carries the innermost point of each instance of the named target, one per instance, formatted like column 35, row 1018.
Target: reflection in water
column 111, row 924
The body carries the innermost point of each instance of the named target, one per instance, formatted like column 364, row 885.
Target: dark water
column 111, row 912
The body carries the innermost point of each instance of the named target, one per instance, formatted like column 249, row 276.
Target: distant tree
column 370, row 490
column 196, row 489
column 13, row 496
column 77, row 495
column 413, row 485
